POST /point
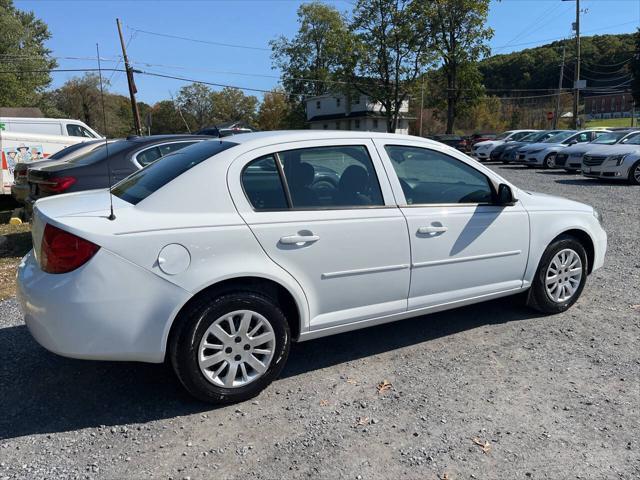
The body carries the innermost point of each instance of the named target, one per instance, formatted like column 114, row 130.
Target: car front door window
column 431, row 177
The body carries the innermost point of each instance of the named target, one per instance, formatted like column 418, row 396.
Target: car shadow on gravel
column 44, row 393
column 591, row 181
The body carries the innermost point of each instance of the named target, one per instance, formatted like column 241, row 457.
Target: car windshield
column 559, row 137
column 609, row 138
column 633, row 139
column 503, row 135
column 70, row 149
column 139, row 185
column 535, row 137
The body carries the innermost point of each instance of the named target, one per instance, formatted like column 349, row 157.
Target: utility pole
column 557, row 112
column 576, row 89
column 132, row 85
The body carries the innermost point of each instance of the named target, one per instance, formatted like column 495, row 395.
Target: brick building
column 619, row 105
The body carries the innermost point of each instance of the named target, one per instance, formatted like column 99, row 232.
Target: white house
column 335, row 112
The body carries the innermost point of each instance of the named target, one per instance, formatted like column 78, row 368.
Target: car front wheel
column 634, row 174
column 560, row 277
column 228, row 349
column 549, row 161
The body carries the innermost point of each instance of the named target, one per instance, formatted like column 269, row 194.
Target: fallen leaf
column 351, row 381
column 384, row 386
column 485, row 446
column 324, row 403
column 445, row 476
column 635, row 307
column 361, row 421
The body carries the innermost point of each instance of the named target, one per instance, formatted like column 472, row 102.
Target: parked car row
column 597, row 153
column 462, row 143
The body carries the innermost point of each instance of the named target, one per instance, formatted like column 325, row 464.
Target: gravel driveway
column 491, row 391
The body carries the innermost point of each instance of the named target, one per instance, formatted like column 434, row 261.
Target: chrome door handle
column 432, row 229
column 295, row 239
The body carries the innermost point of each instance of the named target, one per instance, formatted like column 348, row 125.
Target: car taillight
column 63, row 252
column 57, row 184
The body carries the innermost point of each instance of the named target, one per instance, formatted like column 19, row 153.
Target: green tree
column 274, row 111
column 196, row 101
column 166, row 118
column 391, row 50
column 231, row 104
column 22, row 50
column 312, row 62
column 459, row 36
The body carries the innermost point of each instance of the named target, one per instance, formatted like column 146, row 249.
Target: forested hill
column 605, row 63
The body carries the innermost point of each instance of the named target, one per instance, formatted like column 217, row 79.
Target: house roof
column 357, row 114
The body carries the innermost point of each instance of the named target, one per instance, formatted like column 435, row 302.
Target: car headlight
column 598, row 216
column 534, row 151
column 617, row 159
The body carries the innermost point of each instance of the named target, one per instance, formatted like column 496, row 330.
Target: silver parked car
column 571, row 158
column 614, row 162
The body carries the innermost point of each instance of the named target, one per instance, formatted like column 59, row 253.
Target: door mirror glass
column 505, row 195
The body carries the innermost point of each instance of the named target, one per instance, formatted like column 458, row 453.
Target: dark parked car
column 20, row 187
column 509, row 152
column 90, row 170
column 226, row 129
column 455, row 141
column 480, row 137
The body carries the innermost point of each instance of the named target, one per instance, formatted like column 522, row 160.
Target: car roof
column 161, row 138
column 282, row 136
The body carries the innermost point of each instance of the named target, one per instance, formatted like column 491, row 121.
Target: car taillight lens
column 63, row 252
column 58, row 184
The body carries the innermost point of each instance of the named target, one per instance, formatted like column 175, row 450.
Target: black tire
column 538, row 298
column 572, row 170
column 633, row 179
column 194, row 322
column 546, row 163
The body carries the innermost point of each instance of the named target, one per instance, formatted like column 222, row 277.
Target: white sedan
column 219, row 256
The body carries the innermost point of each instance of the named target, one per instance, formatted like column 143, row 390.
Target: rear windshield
column 139, row 185
column 99, row 153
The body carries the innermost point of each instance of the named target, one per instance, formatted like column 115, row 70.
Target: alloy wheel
column 564, row 275
column 236, row 349
column 636, row 174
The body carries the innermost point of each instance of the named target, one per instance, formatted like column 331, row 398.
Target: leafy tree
column 231, row 104
column 391, row 50
column 166, row 118
column 274, row 111
column 196, row 101
column 312, row 61
column 22, row 50
column 635, row 71
column 459, row 36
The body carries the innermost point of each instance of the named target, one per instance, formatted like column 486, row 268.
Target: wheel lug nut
column 228, row 350
column 237, row 358
column 237, row 339
column 247, row 346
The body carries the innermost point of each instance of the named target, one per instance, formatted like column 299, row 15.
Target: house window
column 356, row 124
column 602, row 105
column 337, row 102
column 318, row 104
column 375, row 123
column 325, row 126
column 355, row 101
column 337, row 125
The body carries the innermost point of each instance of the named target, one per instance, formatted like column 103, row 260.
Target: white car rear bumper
column 108, row 309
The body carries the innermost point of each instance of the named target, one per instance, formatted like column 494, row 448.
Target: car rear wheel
column 634, row 174
column 230, row 348
column 560, row 277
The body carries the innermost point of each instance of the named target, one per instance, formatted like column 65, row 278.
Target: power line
column 208, row 42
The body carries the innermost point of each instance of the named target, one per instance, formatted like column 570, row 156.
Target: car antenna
column 106, row 141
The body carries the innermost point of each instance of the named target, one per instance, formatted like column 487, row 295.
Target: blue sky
column 78, row 25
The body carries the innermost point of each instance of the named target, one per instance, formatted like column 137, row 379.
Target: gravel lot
column 544, row 397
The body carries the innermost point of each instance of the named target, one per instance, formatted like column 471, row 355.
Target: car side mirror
column 573, row 142
column 505, row 195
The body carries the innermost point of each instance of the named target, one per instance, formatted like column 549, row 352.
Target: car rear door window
column 331, row 177
column 148, row 156
column 431, row 177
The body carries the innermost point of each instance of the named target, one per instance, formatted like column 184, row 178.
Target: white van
column 29, row 147
column 48, row 126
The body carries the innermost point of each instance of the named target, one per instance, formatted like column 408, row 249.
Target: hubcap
column 636, row 174
column 563, row 275
column 236, row 349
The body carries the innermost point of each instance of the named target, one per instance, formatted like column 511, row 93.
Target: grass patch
column 16, row 245
column 612, row 122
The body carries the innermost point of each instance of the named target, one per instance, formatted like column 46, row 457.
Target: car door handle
column 432, row 229
column 295, row 239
